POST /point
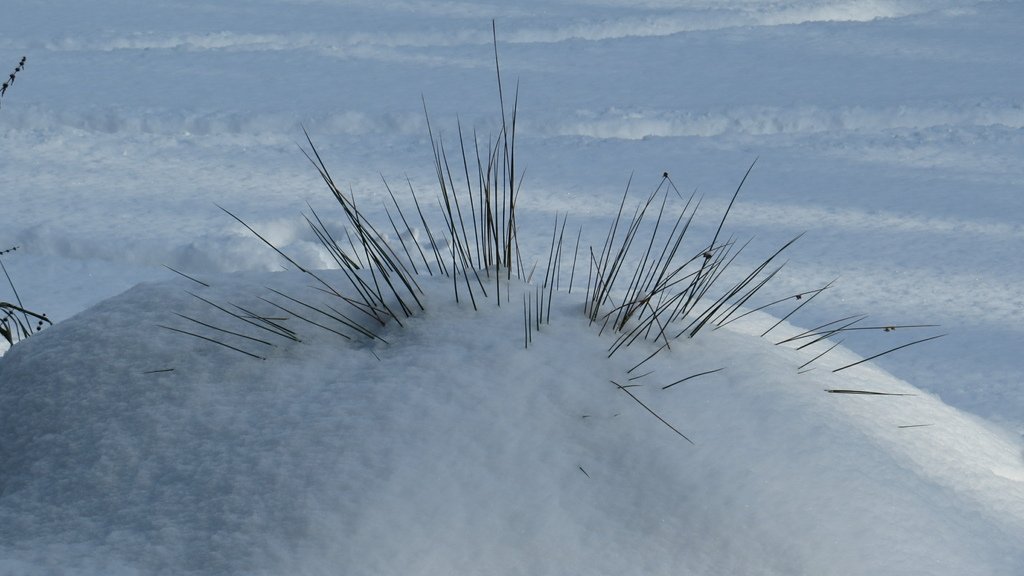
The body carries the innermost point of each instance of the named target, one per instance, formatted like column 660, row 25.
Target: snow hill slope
column 454, row 449
column 890, row 130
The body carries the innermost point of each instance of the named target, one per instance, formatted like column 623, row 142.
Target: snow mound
column 454, row 449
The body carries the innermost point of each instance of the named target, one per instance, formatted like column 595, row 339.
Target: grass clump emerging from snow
column 649, row 280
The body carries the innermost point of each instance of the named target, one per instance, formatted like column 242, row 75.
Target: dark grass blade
column 269, row 323
column 264, row 324
column 557, row 286
column 660, row 276
column 376, row 252
column 798, row 296
column 551, row 273
column 340, row 318
column 888, row 327
column 657, row 317
column 602, row 277
column 637, row 295
column 401, row 241
column 732, row 201
column 223, row 330
column 575, row 254
column 801, row 305
column 376, row 249
column 864, row 392
column 613, row 267
column 405, row 222
column 830, row 333
column 741, row 301
column 438, row 259
column 829, row 349
column 525, row 322
column 307, row 320
column 627, row 339
column 691, row 377
column 179, row 273
column 364, row 305
column 17, row 298
column 653, row 413
column 327, row 240
column 714, row 260
column 702, row 320
column 13, row 328
column 888, row 351
column 218, row 342
column 815, row 331
column 472, row 204
column 540, row 308
column 355, row 253
column 26, row 312
column 644, row 361
column 279, row 252
column 701, row 279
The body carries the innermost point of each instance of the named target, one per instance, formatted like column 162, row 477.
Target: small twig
column 10, row 77
column 865, row 392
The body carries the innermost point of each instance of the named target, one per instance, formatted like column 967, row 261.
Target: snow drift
column 454, row 449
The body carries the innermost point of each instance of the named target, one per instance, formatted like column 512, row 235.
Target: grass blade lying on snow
column 691, row 377
column 827, row 350
column 341, row 318
column 224, row 330
column 814, row 295
column 653, row 413
column 888, row 351
column 218, row 342
column 186, row 276
column 263, row 324
column 866, row 392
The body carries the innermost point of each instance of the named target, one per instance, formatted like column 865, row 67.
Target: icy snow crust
column 454, row 450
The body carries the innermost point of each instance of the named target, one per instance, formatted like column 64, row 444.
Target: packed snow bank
column 452, row 449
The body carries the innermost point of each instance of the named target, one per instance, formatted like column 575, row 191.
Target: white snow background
column 891, row 132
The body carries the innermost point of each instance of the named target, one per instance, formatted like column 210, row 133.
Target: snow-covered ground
column 890, row 131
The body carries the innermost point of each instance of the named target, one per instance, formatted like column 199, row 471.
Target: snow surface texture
column 459, row 451
column 891, row 131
